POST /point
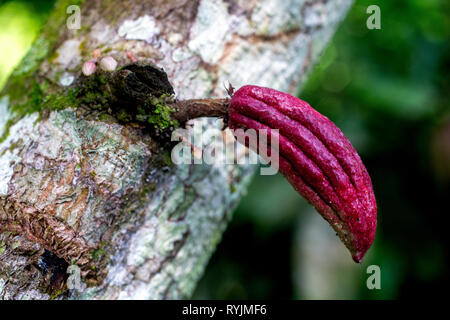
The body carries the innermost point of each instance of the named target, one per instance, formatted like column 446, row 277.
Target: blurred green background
column 388, row 90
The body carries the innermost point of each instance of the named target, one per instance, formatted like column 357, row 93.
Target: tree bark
column 88, row 192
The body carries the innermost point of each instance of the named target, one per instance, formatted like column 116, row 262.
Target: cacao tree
column 91, row 206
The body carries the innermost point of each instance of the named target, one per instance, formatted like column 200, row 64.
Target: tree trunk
column 82, row 191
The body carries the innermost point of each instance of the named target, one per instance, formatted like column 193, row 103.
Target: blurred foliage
column 20, row 21
column 388, row 90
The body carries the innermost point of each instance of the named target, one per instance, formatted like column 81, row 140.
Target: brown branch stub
column 136, row 90
column 137, row 82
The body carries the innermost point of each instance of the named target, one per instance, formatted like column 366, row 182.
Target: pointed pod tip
column 357, row 258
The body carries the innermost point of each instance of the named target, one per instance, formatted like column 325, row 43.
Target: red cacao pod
column 316, row 158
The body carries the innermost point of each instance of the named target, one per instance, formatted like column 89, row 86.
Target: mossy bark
column 82, row 188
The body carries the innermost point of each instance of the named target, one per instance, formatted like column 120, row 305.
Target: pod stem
column 185, row 110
